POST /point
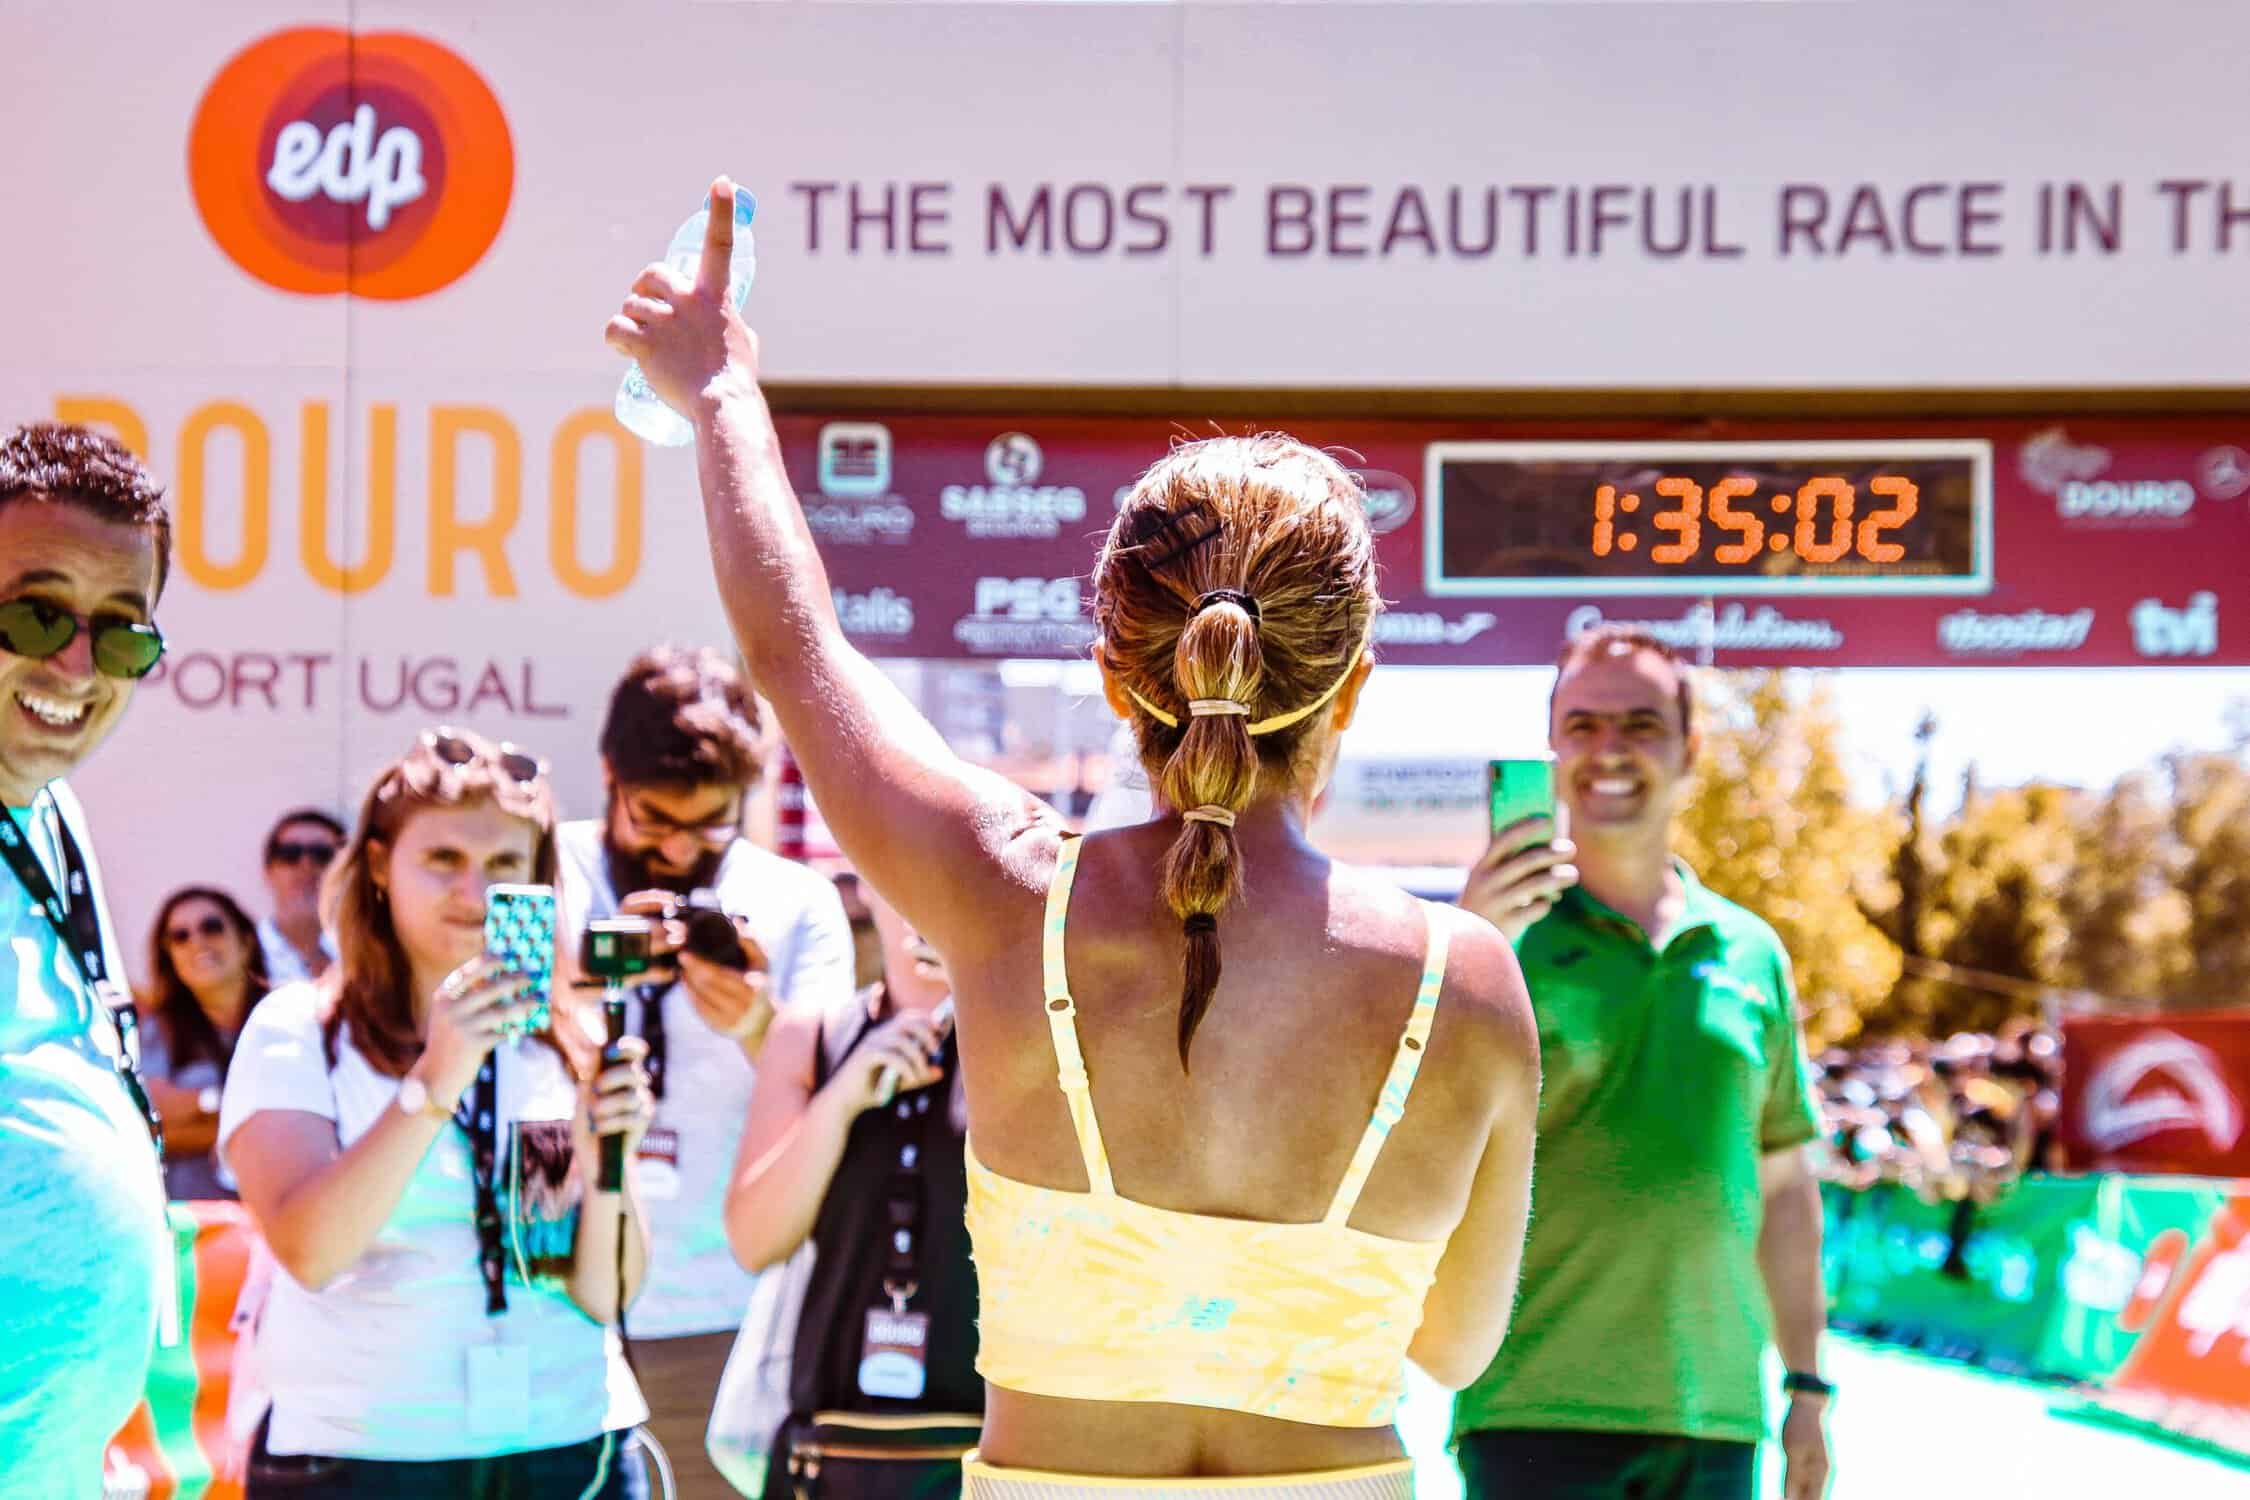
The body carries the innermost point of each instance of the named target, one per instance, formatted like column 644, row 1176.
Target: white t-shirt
column 694, row 1284
column 85, row 1254
column 396, row 1358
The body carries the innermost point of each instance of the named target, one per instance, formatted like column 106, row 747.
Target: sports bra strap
column 1390, row 1105
column 1062, row 1024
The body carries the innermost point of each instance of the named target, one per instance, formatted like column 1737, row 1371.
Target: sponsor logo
column 2050, row 460
column 1427, row 628
column 856, row 506
column 878, row 614
column 1390, row 500
column 2124, row 502
column 1014, row 504
column 1013, row 458
column 1966, row 632
column 1734, row 628
column 2161, row 1082
column 1026, row 617
column 2160, row 630
column 325, row 161
column 2224, row 472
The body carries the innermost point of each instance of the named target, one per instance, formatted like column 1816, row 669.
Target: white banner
column 1668, row 195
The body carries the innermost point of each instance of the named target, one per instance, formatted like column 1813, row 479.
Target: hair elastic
column 1248, row 605
column 1209, row 812
column 1206, row 708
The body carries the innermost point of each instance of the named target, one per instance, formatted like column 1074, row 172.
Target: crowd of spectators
column 1954, row 1119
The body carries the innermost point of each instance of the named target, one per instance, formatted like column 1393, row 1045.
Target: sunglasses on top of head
column 122, row 647
column 453, row 748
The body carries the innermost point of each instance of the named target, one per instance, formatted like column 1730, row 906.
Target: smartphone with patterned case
column 519, row 931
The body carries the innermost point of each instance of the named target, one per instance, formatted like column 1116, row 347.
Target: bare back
column 1321, row 966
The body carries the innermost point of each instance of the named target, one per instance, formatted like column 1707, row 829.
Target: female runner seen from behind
column 1270, row 1133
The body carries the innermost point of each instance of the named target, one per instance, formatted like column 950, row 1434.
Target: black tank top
column 852, row 1244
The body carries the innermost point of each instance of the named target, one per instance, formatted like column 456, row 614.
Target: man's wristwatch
column 1797, row 1383
column 414, row 1099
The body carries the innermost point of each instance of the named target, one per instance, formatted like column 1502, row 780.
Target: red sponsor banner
column 2096, row 542
column 2191, row 1371
column 2158, row 1094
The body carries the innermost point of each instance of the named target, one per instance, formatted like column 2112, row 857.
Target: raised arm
column 942, row 839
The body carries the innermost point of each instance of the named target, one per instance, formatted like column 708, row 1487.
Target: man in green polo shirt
column 1675, row 1221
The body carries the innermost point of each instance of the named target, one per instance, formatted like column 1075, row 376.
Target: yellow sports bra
column 1097, row 1297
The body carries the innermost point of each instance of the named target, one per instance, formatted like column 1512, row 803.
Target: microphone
column 613, row 1144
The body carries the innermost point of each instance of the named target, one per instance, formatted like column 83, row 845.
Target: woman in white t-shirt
column 443, row 1326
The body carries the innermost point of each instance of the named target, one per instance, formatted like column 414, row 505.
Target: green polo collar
column 1700, row 909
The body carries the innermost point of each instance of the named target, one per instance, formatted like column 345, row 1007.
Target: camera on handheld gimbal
column 617, row 950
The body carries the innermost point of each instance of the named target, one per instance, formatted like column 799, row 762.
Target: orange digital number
column 1905, row 501
column 1605, row 510
column 1809, row 495
column 1684, row 520
column 1752, row 530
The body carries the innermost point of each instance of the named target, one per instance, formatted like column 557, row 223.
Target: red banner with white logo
column 2163, row 1094
column 2096, row 542
column 2191, row 1371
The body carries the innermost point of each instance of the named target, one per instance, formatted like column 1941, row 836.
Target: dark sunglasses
column 454, row 749
column 289, row 852
column 209, row 927
column 38, row 629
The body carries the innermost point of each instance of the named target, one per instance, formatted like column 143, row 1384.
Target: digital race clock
column 1906, row 517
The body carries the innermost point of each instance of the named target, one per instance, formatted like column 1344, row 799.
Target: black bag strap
column 77, row 924
column 478, row 1115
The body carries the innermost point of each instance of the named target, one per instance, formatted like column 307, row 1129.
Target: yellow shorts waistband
column 1393, row 1480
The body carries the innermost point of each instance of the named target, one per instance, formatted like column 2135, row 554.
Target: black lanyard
column 78, row 926
column 478, row 1115
column 651, row 997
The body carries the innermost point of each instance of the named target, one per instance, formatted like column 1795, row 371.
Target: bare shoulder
column 1484, row 995
column 790, row 1043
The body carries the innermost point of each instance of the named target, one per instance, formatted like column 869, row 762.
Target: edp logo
column 351, row 164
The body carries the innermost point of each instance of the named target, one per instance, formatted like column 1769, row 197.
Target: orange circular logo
column 328, row 161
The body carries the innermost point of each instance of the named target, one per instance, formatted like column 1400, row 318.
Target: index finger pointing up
column 718, row 240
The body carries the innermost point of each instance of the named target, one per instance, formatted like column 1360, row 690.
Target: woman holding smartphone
column 425, row 1172
column 1247, row 1129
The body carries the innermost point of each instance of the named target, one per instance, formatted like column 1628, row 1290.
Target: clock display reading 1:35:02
column 1710, row 518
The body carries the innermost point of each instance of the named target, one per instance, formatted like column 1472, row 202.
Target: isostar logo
column 1014, row 504
column 1390, row 500
column 878, row 614
column 1428, row 628
column 1735, row 628
column 1966, row 632
column 375, row 163
column 2161, row 1082
column 2160, row 630
column 856, row 506
column 1026, row 617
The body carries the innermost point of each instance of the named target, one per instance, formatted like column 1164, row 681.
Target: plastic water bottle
column 643, row 412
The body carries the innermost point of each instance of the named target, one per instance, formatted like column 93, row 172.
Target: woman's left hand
column 617, row 1101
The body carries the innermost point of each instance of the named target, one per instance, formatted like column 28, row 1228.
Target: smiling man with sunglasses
column 84, row 542
column 680, row 755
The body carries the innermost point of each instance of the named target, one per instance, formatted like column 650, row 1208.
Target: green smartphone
column 1522, row 789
